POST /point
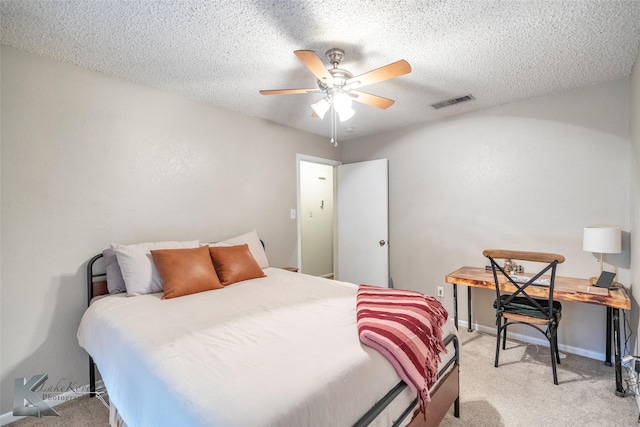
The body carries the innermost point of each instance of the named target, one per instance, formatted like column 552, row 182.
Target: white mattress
column 276, row 351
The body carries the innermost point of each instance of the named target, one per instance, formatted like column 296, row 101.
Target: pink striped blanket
column 406, row 328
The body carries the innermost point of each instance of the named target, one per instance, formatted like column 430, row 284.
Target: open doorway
column 316, row 215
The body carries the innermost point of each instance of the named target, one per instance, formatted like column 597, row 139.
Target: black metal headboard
column 91, row 275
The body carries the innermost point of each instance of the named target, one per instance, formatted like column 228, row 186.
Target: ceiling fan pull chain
column 334, row 127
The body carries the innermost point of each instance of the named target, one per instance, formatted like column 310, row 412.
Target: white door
column 363, row 223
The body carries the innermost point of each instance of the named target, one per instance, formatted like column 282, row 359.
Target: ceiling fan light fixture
column 342, row 101
column 346, row 113
column 321, row 107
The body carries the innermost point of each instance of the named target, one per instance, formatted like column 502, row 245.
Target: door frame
column 322, row 161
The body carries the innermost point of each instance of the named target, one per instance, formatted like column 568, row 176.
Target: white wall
column 634, row 181
column 528, row 175
column 88, row 160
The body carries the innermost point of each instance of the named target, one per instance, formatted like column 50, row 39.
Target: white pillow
column 115, row 281
column 255, row 246
column 138, row 269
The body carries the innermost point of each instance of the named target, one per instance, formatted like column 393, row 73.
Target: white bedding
column 276, row 351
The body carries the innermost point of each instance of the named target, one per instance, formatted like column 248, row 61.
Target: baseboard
column 536, row 341
column 60, row 398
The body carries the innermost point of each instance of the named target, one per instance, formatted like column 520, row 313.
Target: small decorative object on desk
column 508, row 266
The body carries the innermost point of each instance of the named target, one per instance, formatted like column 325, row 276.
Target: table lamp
column 602, row 240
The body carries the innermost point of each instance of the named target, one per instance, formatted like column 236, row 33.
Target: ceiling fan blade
column 387, row 72
column 287, row 91
column 315, row 65
column 372, row 100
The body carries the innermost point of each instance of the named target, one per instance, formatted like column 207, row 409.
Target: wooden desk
column 565, row 289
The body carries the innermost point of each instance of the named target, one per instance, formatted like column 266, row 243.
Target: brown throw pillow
column 185, row 271
column 234, row 264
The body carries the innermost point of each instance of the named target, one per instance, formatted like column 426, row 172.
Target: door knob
column 382, row 243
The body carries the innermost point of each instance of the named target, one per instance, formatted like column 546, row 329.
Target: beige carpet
column 81, row 412
column 518, row 393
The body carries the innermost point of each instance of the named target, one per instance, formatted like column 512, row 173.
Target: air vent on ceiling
column 452, row 101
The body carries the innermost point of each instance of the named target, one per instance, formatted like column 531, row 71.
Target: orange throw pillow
column 185, row 271
column 234, row 264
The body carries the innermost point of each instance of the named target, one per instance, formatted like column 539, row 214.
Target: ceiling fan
column 340, row 86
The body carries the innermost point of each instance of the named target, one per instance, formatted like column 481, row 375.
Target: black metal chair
column 515, row 304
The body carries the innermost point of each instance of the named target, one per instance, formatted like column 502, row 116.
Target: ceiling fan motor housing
column 340, row 77
column 335, row 56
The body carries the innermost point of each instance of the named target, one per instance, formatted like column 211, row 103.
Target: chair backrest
column 550, row 262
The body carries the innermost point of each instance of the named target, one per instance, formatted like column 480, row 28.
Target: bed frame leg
column 92, row 377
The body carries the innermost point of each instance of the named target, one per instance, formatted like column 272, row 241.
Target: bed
column 278, row 350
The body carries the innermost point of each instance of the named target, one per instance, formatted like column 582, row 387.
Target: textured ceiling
column 224, row 52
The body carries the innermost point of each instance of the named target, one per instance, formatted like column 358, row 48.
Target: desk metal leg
column 607, row 358
column 469, row 308
column 455, row 305
column 618, row 366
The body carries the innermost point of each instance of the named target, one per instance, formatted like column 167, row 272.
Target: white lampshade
column 321, row 107
column 341, row 101
column 346, row 113
column 602, row 240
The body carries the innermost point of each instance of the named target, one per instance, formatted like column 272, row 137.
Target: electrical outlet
column 440, row 291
